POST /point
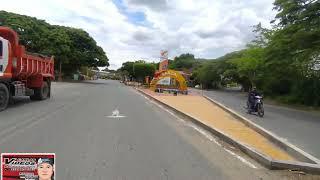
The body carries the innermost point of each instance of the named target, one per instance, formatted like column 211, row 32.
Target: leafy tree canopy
column 72, row 47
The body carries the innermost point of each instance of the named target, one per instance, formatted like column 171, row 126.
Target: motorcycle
column 258, row 106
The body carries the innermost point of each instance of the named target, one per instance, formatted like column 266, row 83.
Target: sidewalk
column 215, row 117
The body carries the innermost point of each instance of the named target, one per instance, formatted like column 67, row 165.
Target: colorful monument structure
column 168, row 80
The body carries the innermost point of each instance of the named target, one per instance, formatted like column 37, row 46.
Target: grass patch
column 291, row 102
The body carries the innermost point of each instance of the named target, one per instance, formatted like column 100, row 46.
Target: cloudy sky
column 139, row 29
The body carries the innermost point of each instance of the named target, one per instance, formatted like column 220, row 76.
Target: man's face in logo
column 45, row 171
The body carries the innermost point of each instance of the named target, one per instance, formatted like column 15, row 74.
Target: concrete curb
column 311, row 166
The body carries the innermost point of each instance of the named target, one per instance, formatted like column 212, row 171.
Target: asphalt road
column 149, row 143
column 301, row 128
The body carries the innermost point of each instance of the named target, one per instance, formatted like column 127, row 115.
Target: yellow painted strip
column 214, row 116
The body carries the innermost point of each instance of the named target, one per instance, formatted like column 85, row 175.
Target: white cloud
column 204, row 27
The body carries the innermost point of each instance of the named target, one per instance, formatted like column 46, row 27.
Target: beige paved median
column 214, row 116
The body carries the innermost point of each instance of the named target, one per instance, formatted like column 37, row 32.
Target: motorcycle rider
column 251, row 97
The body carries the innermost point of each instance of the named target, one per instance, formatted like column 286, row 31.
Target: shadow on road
column 98, row 82
column 16, row 102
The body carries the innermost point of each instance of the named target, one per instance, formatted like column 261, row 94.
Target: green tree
column 283, row 62
column 85, row 51
column 141, row 70
column 72, row 47
column 248, row 65
column 293, row 51
column 208, row 75
column 128, row 67
column 296, row 40
column 183, row 62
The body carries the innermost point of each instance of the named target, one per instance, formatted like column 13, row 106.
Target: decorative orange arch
column 172, row 74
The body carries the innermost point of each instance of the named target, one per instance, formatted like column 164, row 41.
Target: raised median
column 228, row 127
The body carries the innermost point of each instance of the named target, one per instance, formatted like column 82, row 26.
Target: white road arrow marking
column 116, row 114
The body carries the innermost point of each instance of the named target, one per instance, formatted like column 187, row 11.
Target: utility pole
column 201, row 89
column 60, row 73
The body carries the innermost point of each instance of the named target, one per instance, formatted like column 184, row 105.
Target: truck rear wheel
column 4, row 97
column 41, row 93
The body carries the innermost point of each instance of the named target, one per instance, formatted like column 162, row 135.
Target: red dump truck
column 22, row 73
